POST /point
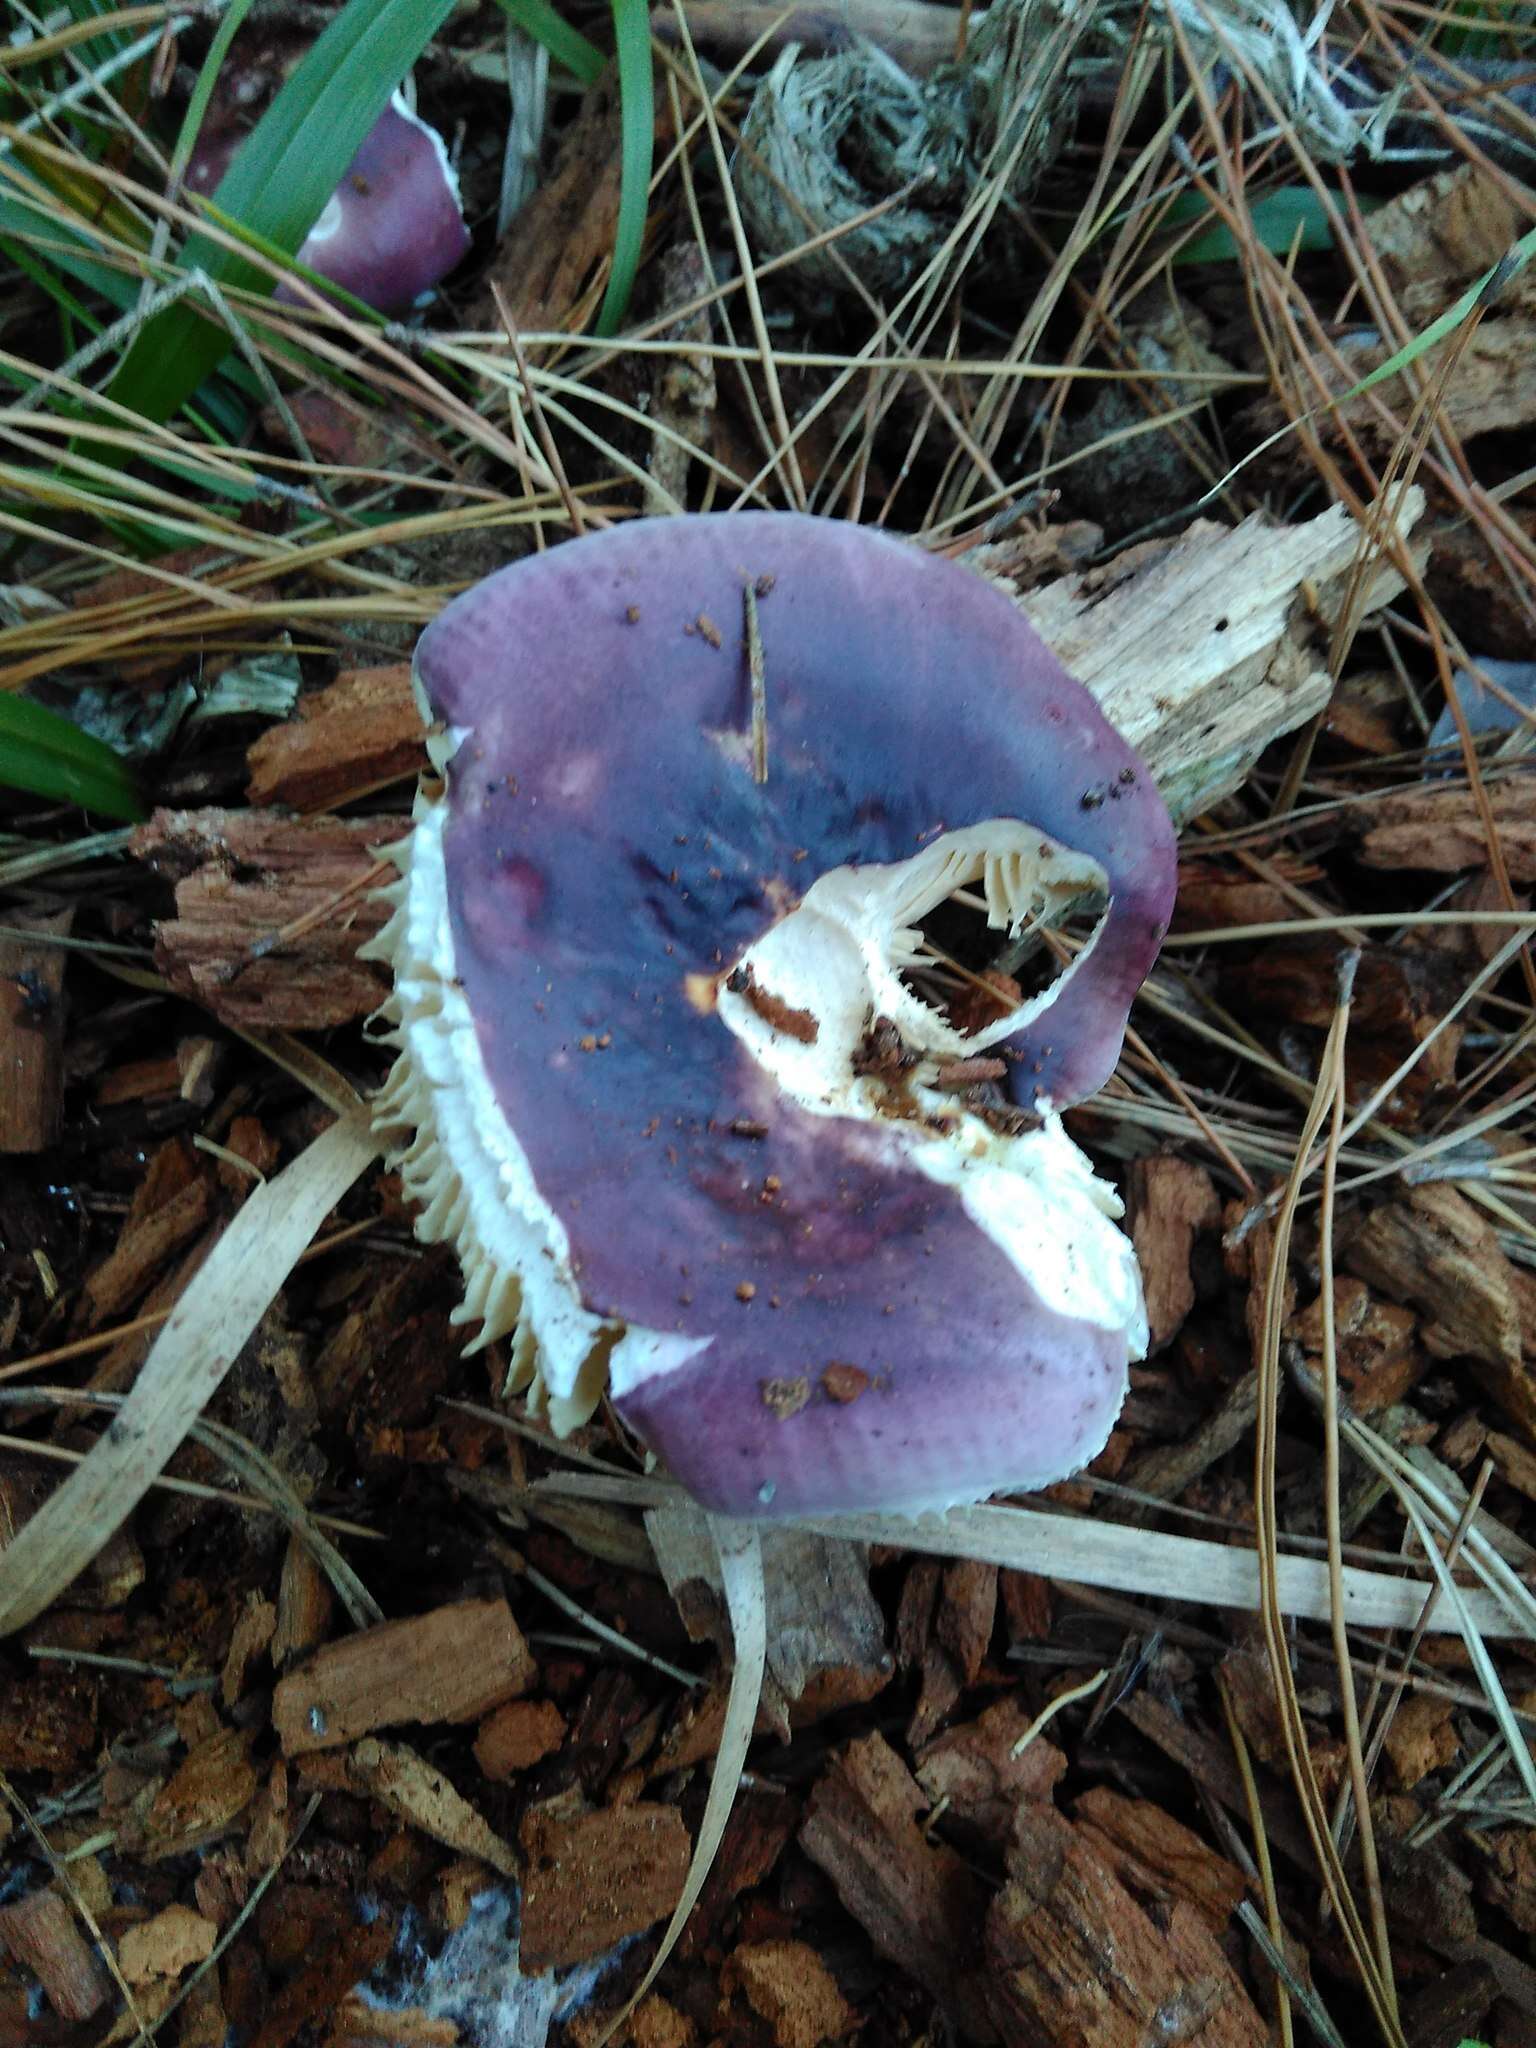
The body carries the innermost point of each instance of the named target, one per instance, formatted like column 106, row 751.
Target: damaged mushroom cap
column 663, row 1079
column 392, row 229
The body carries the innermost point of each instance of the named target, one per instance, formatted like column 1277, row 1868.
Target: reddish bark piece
column 598, row 1877
column 363, row 730
column 787, row 1984
column 450, row 1665
column 1442, row 832
column 243, row 879
column 1079, row 1961
column 1378, row 1360
column 32, row 1034
column 1170, row 1200
column 142, row 1250
column 1148, row 1847
column 42, row 1934
column 409, row 1787
column 974, row 1772
column 517, row 1736
column 1433, row 1249
column 916, row 1900
column 168, row 1945
column 1421, row 1738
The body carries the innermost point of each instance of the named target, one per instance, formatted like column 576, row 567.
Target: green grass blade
column 279, row 182
column 44, row 755
column 1293, row 216
column 566, row 45
column 637, row 122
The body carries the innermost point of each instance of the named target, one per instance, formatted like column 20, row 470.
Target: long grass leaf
column 637, row 125
column 47, row 756
column 567, row 45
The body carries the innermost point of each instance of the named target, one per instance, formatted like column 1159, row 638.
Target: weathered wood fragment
column 453, row 1664
column 346, row 741
column 43, row 1935
column 595, row 1877
column 270, row 912
column 32, row 1034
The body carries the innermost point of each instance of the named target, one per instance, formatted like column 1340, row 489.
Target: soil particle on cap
column 842, row 1382
column 706, row 629
column 785, row 1397
column 746, row 1290
column 774, row 1011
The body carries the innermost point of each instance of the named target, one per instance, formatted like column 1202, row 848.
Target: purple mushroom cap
column 837, row 1297
column 392, row 229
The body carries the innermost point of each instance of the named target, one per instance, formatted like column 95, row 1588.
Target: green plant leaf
column 637, row 127
column 277, row 186
column 1280, row 219
column 567, row 45
column 47, row 756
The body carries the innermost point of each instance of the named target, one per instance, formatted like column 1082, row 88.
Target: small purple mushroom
column 391, row 230
column 664, row 1077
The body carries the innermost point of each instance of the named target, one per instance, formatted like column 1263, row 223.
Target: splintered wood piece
column 517, row 1736
column 270, row 912
column 594, row 1878
column 787, row 1984
column 453, row 1664
column 41, row 1933
column 1151, row 1851
column 974, row 1772
column 1440, row 831
column 1077, row 1957
column 406, row 1783
column 1171, row 1199
column 1377, row 1357
column 916, row 1900
column 146, row 1245
column 203, row 1797
column 1430, row 1247
column 545, row 264
column 1200, row 649
column 826, row 1633
column 304, row 1606
column 362, row 732
column 1167, row 1469
column 32, row 1035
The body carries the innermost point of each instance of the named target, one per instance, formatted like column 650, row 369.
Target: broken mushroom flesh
column 670, row 1075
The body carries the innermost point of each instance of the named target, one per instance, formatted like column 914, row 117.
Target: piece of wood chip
column 974, row 1772
column 1151, row 1851
column 32, row 1034
column 365, row 730
column 517, row 1736
column 916, row 1900
column 453, row 1664
column 1432, row 1248
column 826, row 1631
column 1170, row 1200
column 787, row 1984
column 594, row 1878
column 42, row 1934
column 1076, row 1956
column 243, row 880
column 166, row 1946
column 406, row 1783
